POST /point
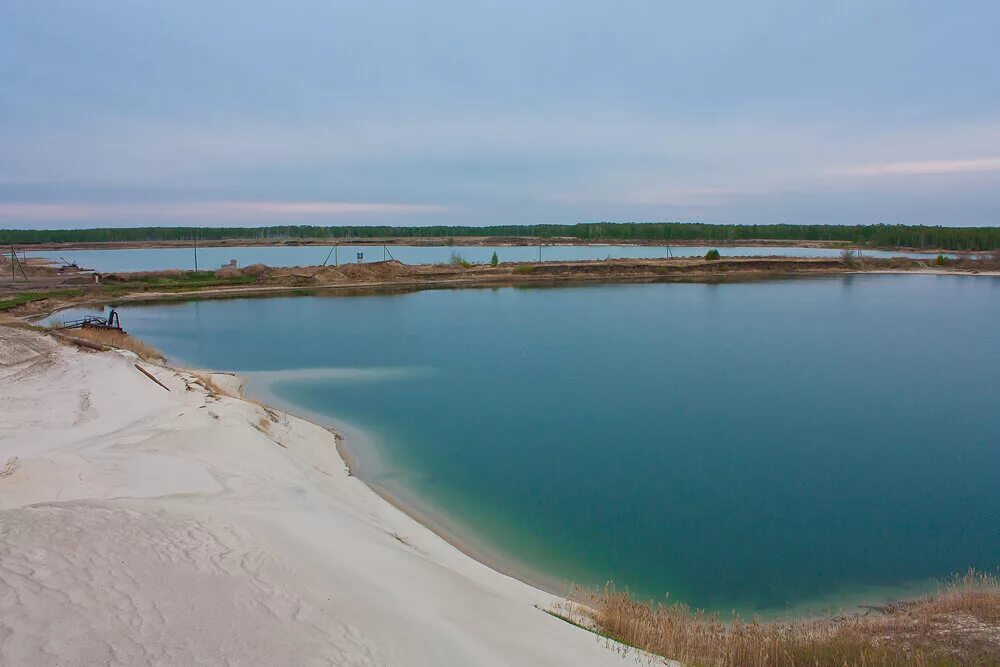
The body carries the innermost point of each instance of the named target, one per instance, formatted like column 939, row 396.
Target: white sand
column 144, row 526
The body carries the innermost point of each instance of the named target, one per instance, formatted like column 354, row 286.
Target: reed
column 121, row 340
column 959, row 625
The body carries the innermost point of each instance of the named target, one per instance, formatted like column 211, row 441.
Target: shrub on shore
column 494, row 260
column 524, row 269
column 712, row 254
column 458, row 260
column 955, row 626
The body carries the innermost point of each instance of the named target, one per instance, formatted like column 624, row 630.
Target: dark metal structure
column 109, row 323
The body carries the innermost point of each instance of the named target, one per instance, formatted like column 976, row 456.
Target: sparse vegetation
column 180, row 280
column 524, row 269
column 848, row 256
column 941, row 260
column 960, row 625
column 210, row 385
column 712, row 254
column 118, row 339
column 458, row 260
column 268, row 418
column 22, row 298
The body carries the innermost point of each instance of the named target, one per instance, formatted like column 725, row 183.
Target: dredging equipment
column 109, row 323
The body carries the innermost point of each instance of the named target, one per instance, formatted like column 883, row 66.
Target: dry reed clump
column 210, row 385
column 268, row 418
column 121, row 340
column 959, row 625
column 980, row 262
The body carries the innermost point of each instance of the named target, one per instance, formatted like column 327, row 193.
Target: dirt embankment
column 46, row 289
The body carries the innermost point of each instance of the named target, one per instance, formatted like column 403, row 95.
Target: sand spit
column 145, row 524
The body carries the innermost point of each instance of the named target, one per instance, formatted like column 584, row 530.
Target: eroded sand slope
column 139, row 525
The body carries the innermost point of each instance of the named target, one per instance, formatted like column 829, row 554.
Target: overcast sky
column 326, row 112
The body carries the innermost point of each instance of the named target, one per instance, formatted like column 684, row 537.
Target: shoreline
column 199, row 527
column 394, row 276
column 437, row 521
column 846, row 601
column 412, row 505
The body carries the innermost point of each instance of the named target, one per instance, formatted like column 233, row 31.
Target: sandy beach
column 149, row 525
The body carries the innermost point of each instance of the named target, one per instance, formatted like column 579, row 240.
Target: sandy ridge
column 145, row 526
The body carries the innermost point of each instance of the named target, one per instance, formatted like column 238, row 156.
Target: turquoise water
column 156, row 259
column 758, row 446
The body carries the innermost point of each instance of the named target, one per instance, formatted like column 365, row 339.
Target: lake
column 768, row 447
column 158, row 259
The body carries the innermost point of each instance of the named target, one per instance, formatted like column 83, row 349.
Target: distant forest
column 907, row 236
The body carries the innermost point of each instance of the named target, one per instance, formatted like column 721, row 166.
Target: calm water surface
column 156, row 259
column 757, row 446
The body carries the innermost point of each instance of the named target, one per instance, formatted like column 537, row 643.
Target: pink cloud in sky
column 923, row 167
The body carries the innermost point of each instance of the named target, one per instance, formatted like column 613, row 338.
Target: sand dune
column 139, row 525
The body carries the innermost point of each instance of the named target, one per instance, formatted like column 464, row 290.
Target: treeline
column 907, row 236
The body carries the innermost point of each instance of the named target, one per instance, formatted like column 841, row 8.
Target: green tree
column 494, row 260
column 712, row 254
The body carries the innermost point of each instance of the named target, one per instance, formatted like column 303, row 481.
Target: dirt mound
column 387, row 270
column 255, row 270
column 329, row 274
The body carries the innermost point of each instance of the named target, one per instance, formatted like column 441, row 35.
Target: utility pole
column 14, row 265
column 196, row 250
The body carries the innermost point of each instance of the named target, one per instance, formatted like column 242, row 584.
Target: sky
column 144, row 112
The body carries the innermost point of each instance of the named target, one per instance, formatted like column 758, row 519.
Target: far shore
column 47, row 289
column 466, row 241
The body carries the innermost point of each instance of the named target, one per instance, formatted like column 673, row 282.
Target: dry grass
column 959, row 625
column 980, row 262
column 121, row 340
column 206, row 381
column 268, row 417
column 264, row 424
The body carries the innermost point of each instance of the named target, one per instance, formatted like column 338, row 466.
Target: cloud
column 923, row 167
column 214, row 211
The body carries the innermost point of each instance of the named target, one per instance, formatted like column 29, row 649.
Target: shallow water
column 157, row 259
column 760, row 446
